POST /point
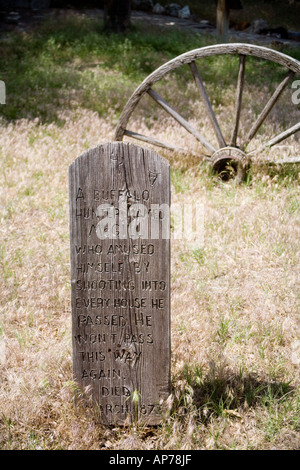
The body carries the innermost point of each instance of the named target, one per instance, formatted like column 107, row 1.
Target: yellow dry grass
column 235, row 302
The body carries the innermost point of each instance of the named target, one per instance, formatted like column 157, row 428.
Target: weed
column 234, row 299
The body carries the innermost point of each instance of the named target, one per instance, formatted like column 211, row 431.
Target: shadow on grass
column 285, row 173
column 70, row 62
column 224, row 393
column 58, row 66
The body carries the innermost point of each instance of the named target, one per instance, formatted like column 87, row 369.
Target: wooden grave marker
column 120, row 280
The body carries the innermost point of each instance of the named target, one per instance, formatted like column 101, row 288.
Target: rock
column 13, row 17
column 258, row 26
column 143, row 5
column 261, row 27
column 172, row 9
column 205, row 24
column 184, row 13
column 158, row 9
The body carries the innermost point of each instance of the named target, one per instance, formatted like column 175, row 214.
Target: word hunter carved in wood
column 120, row 279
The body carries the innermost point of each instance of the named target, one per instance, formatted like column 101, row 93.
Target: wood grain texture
column 164, row 145
column 223, row 15
column 148, row 140
column 283, row 135
column 239, row 95
column 207, row 104
column 268, row 107
column 159, row 100
column 120, row 281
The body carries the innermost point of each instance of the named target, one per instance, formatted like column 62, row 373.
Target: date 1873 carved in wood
column 120, row 277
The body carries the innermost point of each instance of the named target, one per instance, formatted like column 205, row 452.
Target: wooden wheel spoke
column 207, row 104
column 284, row 135
column 149, row 140
column 268, row 107
column 159, row 100
column 239, row 95
column 191, row 58
column 164, row 145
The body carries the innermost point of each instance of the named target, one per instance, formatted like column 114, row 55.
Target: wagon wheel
column 234, row 150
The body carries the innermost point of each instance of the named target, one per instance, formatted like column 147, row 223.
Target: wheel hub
column 230, row 162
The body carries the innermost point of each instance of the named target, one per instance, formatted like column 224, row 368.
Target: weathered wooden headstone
column 120, row 276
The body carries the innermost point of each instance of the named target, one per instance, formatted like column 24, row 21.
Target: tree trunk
column 223, row 11
column 117, row 15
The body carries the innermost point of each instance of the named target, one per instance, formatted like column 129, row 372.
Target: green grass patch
column 72, row 62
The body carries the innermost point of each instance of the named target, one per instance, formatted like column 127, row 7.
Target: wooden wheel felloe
column 224, row 149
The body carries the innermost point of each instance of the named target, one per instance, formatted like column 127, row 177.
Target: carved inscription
column 120, row 278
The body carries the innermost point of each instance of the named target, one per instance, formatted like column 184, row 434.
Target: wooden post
column 120, row 278
column 223, row 13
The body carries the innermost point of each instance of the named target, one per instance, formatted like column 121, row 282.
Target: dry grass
column 235, row 306
column 235, row 299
